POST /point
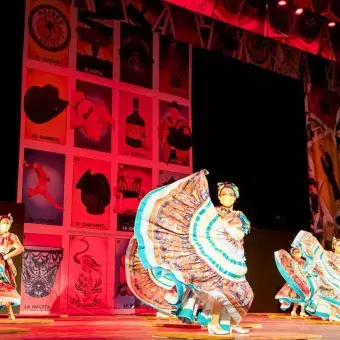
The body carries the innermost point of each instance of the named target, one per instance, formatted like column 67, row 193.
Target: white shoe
column 170, row 298
column 303, row 314
column 240, row 330
column 333, row 318
column 293, row 313
column 217, row 330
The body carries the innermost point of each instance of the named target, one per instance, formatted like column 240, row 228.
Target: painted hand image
column 41, row 188
column 89, row 115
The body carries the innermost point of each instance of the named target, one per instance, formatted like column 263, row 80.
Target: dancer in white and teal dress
column 287, row 295
column 187, row 258
column 317, row 283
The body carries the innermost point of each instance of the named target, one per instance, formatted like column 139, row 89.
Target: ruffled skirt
column 317, row 284
column 8, row 292
column 180, row 260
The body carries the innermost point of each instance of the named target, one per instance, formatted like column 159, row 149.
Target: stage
column 262, row 326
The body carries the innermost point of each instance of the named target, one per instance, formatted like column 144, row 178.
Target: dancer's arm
column 18, row 248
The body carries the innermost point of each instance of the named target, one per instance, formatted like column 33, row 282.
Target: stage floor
column 262, row 326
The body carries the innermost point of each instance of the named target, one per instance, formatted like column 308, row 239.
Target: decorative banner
column 133, row 183
column 99, row 9
column 91, row 193
column 45, row 106
column 144, row 14
column 306, row 32
column 184, row 25
column 280, row 21
column 173, row 67
column 175, row 139
column 123, row 298
column 224, row 38
column 91, row 116
column 259, row 50
column 205, row 7
column 288, row 61
column 135, row 122
column 136, row 56
column 323, row 119
column 41, row 273
column 43, row 187
column 87, row 273
column 168, row 177
column 49, row 31
column 95, row 47
column 324, row 104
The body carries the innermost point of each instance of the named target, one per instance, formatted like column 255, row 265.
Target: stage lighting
column 331, row 24
column 282, row 3
column 299, row 11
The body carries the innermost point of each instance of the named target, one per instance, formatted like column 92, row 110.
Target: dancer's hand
column 233, row 222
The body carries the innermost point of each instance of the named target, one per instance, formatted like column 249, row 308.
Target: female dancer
column 318, row 281
column 10, row 246
column 287, row 295
column 187, row 256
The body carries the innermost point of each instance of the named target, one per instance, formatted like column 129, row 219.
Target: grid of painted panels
column 84, row 165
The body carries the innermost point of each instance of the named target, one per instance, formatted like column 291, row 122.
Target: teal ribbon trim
column 288, row 279
column 203, row 252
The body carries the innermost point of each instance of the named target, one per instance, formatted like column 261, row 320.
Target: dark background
column 249, row 128
column 11, row 48
column 12, row 41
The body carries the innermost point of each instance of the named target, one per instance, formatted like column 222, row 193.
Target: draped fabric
column 322, row 123
column 317, row 283
column 184, row 255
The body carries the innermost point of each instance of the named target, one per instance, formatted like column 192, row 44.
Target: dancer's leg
column 332, row 316
column 295, row 306
column 216, row 313
column 302, row 312
column 10, row 311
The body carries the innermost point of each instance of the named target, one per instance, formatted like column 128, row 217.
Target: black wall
column 12, row 41
column 249, row 128
column 263, row 276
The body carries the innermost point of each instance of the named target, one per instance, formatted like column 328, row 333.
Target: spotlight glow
column 299, row 11
column 282, row 3
column 331, row 24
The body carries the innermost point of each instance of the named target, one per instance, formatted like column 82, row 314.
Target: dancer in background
column 287, row 296
column 187, row 256
column 318, row 281
column 10, row 246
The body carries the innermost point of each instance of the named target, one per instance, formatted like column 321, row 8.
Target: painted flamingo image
column 87, row 263
column 86, row 284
